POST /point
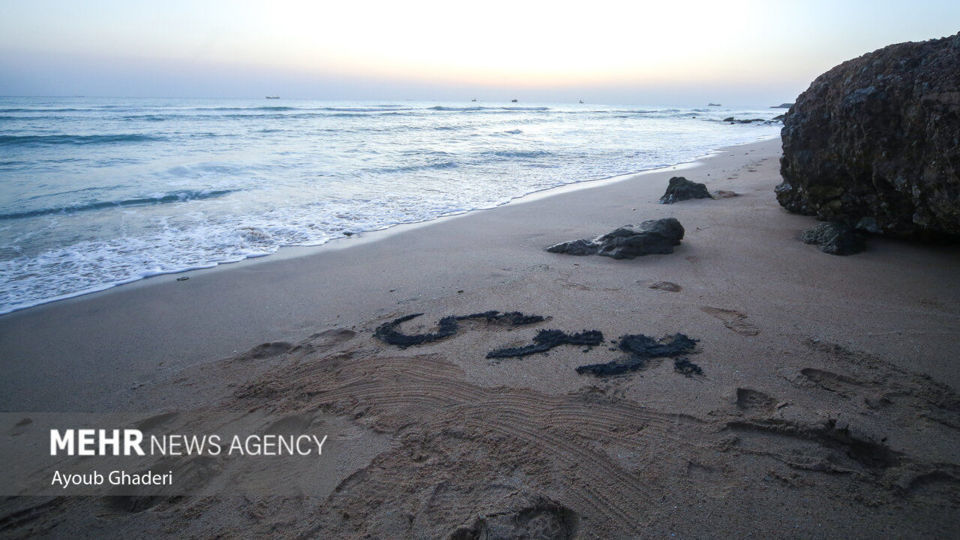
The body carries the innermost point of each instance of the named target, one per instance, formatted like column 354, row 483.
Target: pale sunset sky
column 743, row 53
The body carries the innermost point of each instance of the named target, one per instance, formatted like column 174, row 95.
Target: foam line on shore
column 287, row 251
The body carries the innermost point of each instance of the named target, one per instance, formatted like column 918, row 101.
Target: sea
column 97, row 192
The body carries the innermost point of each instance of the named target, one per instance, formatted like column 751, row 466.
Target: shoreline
column 128, row 336
column 809, row 378
column 289, row 251
column 140, row 331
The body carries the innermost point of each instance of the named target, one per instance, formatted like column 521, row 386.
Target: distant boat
column 474, row 100
column 273, row 97
column 513, row 101
column 581, row 101
column 713, row 105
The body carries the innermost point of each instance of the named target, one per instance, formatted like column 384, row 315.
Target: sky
column 666, row 52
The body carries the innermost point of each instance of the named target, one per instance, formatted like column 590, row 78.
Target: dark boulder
column 875, row 142
column 681, row 189
column 629, row 241
column 835, row 238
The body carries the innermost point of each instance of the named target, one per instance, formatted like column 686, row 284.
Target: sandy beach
column 826, row 404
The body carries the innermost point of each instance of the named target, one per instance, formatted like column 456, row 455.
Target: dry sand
column 826, row 406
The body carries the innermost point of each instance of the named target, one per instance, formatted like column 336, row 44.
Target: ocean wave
column 34, row 117
column 362, row 114
column 256, row 116
column 411, row 168
column 460, row 109
column 166, row 198
column 291, row 108
column 148, row 117
column 41, row 110
column 101, row 108
column 381, row 108
column 261, row 108
column 44, row 140
column 316, row 113
column 477, row 109
column 520, row 153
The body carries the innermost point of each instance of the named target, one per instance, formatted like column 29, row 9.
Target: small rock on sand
column 681, row 189
column 629, row 241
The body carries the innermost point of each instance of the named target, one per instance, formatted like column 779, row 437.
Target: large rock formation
column 875, row 142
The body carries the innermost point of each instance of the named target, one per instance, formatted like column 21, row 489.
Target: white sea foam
column 96, row 192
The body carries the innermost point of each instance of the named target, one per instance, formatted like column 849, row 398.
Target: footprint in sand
column 734, row 320
column 841, row 385
column 668, row 286
column 266, row 350
column 755, row 402
column 544, row 518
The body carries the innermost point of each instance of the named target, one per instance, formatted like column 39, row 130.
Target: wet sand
column 825, row 404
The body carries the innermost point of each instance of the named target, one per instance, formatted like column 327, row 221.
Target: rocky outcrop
column 681, row 189
column 875, row 142
column 629, row 241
